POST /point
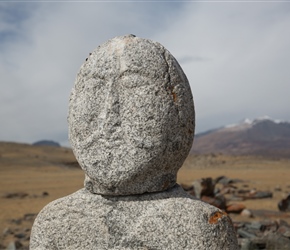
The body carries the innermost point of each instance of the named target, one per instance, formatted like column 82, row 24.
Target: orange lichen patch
column 216, row 216
column 174, row 96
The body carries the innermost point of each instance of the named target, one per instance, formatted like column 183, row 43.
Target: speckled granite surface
column 131, row 117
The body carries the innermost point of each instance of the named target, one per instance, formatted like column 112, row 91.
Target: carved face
column 131, row 117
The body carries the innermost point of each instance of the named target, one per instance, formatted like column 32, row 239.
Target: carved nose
column 109, row 117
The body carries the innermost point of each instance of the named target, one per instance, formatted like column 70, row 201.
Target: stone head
column 131, row 117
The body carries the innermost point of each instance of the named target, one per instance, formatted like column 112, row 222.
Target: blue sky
column 235, row 54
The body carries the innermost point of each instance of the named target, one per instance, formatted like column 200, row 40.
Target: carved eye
column 133, row 80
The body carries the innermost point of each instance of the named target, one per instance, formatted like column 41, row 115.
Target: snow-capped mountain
column 248, row 123
column 261, row 136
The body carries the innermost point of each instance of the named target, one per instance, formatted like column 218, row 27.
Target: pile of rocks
column 17, row 235
column 222, row 192
column 265, row 234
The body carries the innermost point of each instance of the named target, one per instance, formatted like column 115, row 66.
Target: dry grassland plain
column 37, row 170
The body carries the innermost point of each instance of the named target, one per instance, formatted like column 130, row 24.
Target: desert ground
column 32, row 176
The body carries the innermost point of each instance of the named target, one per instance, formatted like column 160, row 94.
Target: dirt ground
column 43, row 175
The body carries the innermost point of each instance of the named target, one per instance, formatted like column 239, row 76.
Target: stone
column 276, row 241
column 235, row 208
column 20, row 195
column 208, row 187
column 204, row 187
column 131, row 126
column 287, row 234
column 218, row 201
column 284, row 230
column 245, row 234
column 223, row 180
column 187, row 187
column 255, row 225
column 228, row 190
column 197, row 188
column 11, row 246
column 29, row 216
column 254, row 194
column 263, row 194
column 244, row 243
column 20, row 235
column 131, row 108
column 162, row 220
column 265, row 234
column 44, row 194
column 6, row 232
column 16, row 221
column 247, row 213
column 284, row 204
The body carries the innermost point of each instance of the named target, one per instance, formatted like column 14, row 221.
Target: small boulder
column 284, row 204
column 247, row 213
column 16, row 195
column 235, row 208
column 219, row 201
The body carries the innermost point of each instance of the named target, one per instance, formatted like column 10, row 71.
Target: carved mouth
column 110, row 142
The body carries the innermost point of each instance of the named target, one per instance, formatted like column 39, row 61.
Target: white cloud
column 246, row 73
column 40, row 59
column 235, row 55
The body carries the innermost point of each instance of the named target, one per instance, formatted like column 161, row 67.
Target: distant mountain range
column 46, row 143
column 261, row 136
